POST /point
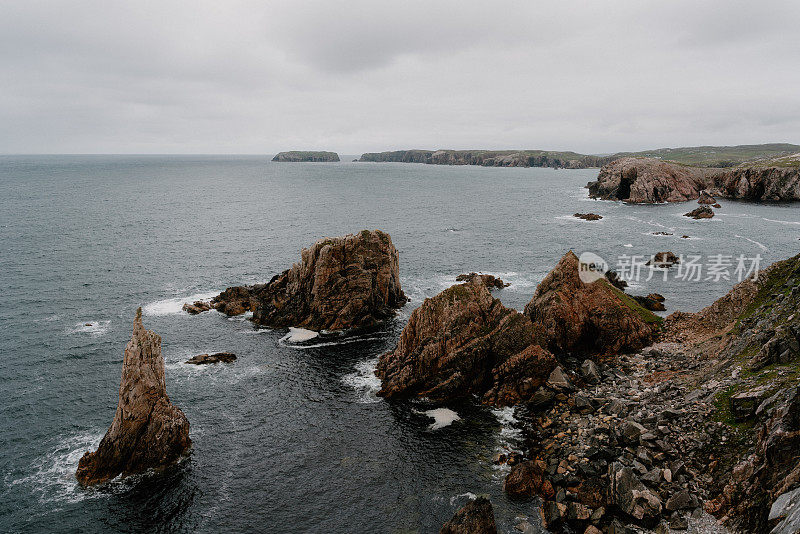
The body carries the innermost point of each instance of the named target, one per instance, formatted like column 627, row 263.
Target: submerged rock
column 490, row 281
column 476, row 517
column 593, row 319
column 339, row 283
column 703, row 212
column 465, row 342
column 204, row 359
column 148, row 431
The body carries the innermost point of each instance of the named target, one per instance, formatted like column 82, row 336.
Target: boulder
column 592, row 318
column 649, row 181
column 205, row 359
column 199, row 306
column 148, row 431
column 339, row 283
column 490, row 281
column 703, row 212
column 528, row 479
column 663, row 260
column 476, row 517
column 464, row 342
column 633, row 497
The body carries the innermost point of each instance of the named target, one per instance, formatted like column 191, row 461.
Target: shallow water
column 290, row 437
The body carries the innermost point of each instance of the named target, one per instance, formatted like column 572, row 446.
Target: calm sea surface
column 288, row 438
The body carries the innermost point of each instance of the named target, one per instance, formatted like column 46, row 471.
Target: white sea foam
column 762, row 246
column 364, row 381
column 629, row 245
column 298, row 335
column 53, row 475
column 175, row 305
column 780, row 222
column 442, row 417
column 469, row 495
column 93, row 328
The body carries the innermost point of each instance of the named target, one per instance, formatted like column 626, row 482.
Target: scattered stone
column 199, row 306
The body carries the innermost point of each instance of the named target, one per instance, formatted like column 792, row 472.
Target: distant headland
column 299, row 155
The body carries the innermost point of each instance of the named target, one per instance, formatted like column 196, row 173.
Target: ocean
column 290, row 437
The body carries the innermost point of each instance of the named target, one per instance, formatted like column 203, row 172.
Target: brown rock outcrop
column 649, row 180
column 528, row 479
column 706, row 198
column 664, row 259
column 464, row 342
column 491, row 282
column 199, row 306
column 703, row 212
column 205, row 359
column 773, row 181
column 588, row 216
column 339, row 283
column 592, row 319
column 148, row 431
column 476, row 517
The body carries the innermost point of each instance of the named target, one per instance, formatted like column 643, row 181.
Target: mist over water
column 290, row 437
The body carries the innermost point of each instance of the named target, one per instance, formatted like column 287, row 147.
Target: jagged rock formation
column 648, row 180
column 217, row 357
column 664, row 260
column 490, row 281
column 465, row 342
column 148, row 431
column 588, row 216
column 299, row 156
column 476, row 517
column 652, row 302
column 490, row 158
column 339, row 283
column 706, row 198
column 703, row 212
column 593, row 319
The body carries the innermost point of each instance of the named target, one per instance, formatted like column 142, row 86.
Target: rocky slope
column 148, row 431
column 590, row 319
column 774, row 180
column 296, row 156
column 339, row 283
column 464, row 342
column 709, row 417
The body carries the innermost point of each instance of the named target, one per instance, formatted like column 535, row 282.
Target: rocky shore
column 650, row 180
column 295, row 156
column 490, row 158
column 148, row 431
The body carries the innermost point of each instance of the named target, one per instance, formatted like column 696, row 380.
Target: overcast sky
column 259, row 77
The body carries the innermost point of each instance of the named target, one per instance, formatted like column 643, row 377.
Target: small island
column 299, row 155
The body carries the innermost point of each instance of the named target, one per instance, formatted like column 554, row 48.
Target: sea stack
column 464, row 342
column 649, row 181
column 593, row 318
column 297, row 156
column 339, row 283
column 148, row 431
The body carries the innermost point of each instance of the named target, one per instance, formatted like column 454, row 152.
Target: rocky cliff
column 339, row 283
column 464, row 342
column 475, row 517
column 148, row 431
column 588, row 318
column 490, row 158
column 295, row 156
column 648, row 180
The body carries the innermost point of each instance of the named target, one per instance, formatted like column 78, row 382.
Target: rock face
column 464, row 342
column 476, row 517
column 592, row 319
column 148, row 431
column 299, row 156
column 703, row 212
column 706, row 198
column 777, row 180
column 649, row 180
column 489, row 280
column 588, row 216
column 339, row 283
column 205, row 359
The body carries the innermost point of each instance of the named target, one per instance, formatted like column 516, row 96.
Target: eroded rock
column 475, row 517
